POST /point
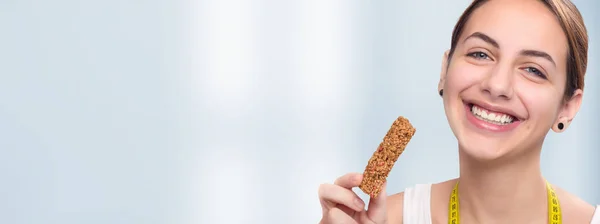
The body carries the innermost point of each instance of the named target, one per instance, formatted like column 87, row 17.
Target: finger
column 339, row 195
column 377, row 211
column 337, row 216
column 350, row 211
column 363, row 218
column 349, row 180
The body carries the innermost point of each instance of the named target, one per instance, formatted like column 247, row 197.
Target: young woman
column 514, row 71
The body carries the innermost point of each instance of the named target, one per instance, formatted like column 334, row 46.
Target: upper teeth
column 491, row 116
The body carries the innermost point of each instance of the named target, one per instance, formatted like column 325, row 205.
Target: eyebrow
column 541, row 54
column 483, row 37
column 529, row 53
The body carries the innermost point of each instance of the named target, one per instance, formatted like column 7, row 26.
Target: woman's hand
column 341, row 205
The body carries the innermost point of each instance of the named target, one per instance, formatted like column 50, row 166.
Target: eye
column 535, row 71
column 478, row 55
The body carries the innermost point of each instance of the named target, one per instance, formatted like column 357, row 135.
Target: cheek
column 540, row 101
column 461, row 76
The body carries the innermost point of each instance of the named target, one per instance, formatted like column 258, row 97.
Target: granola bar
column 385, row 156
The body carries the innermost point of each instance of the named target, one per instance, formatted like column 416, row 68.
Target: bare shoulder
column 574, row 209
column 440, row 194
column 395, row 207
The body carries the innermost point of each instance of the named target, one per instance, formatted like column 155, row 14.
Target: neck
column 511, row 192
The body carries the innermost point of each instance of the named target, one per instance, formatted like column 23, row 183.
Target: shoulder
column 395, row 207
column 395, row 203
column 440, row 194
column 573, row 208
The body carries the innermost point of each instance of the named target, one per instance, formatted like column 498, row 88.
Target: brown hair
column 572, row 24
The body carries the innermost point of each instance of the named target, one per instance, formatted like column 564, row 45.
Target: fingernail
column 359, row 203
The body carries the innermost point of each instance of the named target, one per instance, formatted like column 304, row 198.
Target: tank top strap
column 596, row 216
column 417, row 204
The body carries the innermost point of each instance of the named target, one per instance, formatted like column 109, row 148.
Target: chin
column 481, row 148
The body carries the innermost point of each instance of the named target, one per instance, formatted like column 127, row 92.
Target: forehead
column 518, row 25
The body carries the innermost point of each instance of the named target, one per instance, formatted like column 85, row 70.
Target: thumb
column 377, row 210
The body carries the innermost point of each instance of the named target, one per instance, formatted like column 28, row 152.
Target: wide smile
column 490, row 120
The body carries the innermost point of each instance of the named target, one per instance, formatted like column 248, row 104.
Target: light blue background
column 226, row 111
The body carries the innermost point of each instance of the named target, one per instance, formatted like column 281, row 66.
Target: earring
column 441, row 92
column 561, row 126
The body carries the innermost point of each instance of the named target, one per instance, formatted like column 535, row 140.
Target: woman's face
column 504, row 84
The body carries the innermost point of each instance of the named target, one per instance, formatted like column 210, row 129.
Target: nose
column 498, row 83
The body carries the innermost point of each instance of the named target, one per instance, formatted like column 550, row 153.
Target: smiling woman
column 514, row 71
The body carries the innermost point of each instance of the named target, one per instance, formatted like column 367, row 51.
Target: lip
column 494, row 108
column 487, row 126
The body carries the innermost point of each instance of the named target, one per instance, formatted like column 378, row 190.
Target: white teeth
column 496, row 118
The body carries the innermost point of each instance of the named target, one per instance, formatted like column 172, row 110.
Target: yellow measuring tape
column 554, row 214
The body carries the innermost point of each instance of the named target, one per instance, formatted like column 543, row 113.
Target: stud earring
column 441, row 92
column 561, row 126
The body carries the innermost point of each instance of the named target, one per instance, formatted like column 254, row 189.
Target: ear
column 443, row 71
column 568, row 111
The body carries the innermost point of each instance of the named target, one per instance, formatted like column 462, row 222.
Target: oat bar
column 385, row 156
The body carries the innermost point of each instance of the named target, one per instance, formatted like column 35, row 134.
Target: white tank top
column 417, row 206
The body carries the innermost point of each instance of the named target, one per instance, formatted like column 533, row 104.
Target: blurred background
column 232, row 111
